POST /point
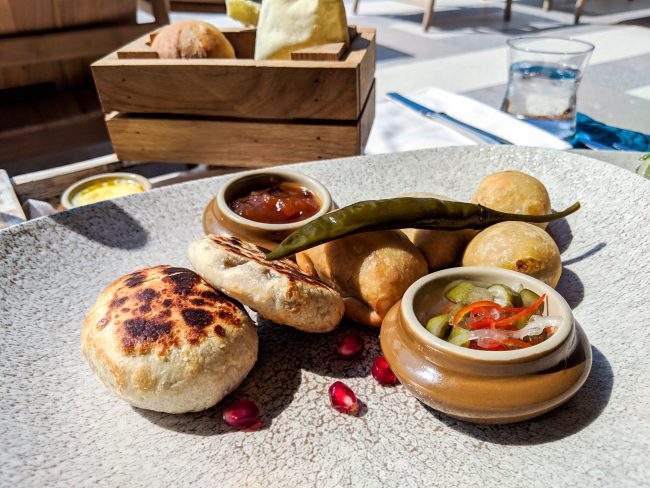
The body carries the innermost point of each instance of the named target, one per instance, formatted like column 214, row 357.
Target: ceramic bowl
column 67, row 199
column 219, row 219
column 483, row 386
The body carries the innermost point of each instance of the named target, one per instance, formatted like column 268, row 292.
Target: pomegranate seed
column 382, row 373
column 242, row 414
column 350, row 346
column 343, row 398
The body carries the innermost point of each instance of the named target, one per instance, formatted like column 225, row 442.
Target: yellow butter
column 245, row 11
column 289, row 25
column 105, row 190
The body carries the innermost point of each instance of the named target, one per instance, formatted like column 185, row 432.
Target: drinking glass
column 543, row 79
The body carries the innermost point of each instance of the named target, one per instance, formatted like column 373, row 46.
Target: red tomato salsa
column 283, row 203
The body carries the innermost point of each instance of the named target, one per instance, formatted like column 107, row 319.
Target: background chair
column 579, row 8
column 428, row 12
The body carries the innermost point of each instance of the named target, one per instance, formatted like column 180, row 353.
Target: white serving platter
column 60, row 426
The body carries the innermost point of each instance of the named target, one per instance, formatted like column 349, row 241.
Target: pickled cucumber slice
column 478, row 294
column 529, row 297
column 459, row 337
column 454, row 310
column 459, row 293
column 439, row 325
column 503, row 295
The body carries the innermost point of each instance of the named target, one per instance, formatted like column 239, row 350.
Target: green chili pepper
column 399, row 213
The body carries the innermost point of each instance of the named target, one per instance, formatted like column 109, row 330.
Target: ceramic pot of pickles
column 486, row 345
column 265, row 206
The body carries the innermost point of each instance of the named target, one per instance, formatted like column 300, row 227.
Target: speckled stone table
column 60, row 426
column 629, row 160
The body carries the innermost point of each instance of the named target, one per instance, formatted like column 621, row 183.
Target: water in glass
column 543, row 94
column 543, row 80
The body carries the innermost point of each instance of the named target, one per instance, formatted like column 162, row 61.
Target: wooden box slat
column 325, row 52
column 61, row 57
column 62, row 45
column 212, row 6
column 49, row 123
column 232, row 142
column 242, row 88
column 19, row 16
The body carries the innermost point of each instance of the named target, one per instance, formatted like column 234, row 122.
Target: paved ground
column 464, row 51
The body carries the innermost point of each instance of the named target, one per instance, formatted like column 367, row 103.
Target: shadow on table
column 566, row 420
column 594, row 250
column 560, row 231
column 283, row 353
column 323, row 360
column 105, row 223
column 571, row 288
column 385, row 53
column 271, row 384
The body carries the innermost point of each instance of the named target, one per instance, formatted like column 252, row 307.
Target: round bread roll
column 514, row 192
column 189, row 39
column 277, row 290
column 441, row 248
column 518, row 246
column 165, row 340
column 371, row 271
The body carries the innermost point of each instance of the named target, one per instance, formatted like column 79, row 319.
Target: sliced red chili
column 523, row 314
column 468, row 308
column 480, row 324
column 491, row 345
column 516, row 343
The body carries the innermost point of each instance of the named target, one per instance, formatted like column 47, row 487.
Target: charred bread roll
column 277, row 290
column 165, row 340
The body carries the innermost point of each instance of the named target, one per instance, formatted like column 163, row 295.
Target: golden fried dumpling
column 371, row 271
column 515, row 192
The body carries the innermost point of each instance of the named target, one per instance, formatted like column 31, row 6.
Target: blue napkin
column 594, row 134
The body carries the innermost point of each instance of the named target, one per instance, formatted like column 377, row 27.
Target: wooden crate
column 214, row 6
column 61, row 57
column 47, row 121
column 239, row 111
column 46, row 48
column 26, row 17
column 20, row 16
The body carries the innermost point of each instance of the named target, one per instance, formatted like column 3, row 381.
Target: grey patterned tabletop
column 60, row 426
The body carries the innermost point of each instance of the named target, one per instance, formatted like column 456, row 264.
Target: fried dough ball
column 513, row 192
column 441, row 248
column 518, row 246
column 371, row 271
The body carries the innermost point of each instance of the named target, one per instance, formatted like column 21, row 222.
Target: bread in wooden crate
column 319, row 104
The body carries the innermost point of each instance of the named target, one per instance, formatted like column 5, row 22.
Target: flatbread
column 277, row 290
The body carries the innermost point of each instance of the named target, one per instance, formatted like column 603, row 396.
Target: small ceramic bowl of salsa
column 265, row 206
column 486, row 345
